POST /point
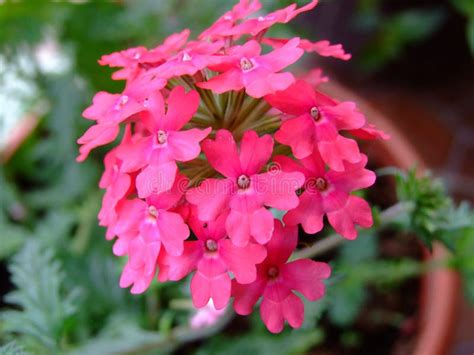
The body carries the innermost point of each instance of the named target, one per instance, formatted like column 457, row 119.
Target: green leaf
column 122, row 334
column 470, row 34
column 12, row 348
column 464, row 261
column 398, row 32
column 42, row 305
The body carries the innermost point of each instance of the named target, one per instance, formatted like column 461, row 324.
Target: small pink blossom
column 256, row 26
column 213, row 256
column 157, row 152
column 328, row 193
column 195, row 57
column 206, row 316
column 277, row 280
column 134, row 61
column 109, row 110
column 317, row 124
column 227, row 21
column 245, row 191
column 323, row 48
column 245, row 67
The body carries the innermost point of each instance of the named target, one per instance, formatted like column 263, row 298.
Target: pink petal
column 354, row 176
column 369, row 132
column 305, row 276
column 211, row 197
column 238, row 228
column 335, row 152
column 184, row 145
column 211, row 265
column 156, row 179
column 173, row 231
column 137, row 278
column 345, row 116
column 130, row 215
column 280, row 187
column 241, row 261
column 255, row 152
column 326, row 49
column 282, row 244
column 230, row 80
column 180, row 266
column 135, row 155
column 95, row 136
column 203, row 288
column 245, row 296
column 309, row 213
column 299, row 134
column 222, row 154
column 282, row 57
column 296, row 100
column 181, row 108
column 272, row 315
column 261, row 225
column 269, row 84
column 357, row 211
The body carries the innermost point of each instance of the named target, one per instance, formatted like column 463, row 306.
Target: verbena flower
column 216, row 134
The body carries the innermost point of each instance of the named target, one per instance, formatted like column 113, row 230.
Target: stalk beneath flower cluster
column 331, row 242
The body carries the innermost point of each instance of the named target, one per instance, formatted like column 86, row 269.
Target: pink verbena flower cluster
column 216, row 137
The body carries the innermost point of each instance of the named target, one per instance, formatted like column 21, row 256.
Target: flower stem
column 386, row 217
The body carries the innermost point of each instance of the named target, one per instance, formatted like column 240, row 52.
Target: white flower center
column 243, row 182
column 314, row 112
column 161, row 137
column 245, row 64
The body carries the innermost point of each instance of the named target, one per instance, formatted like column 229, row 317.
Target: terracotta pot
column 440, row 288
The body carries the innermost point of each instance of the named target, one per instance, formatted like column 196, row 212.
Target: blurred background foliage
column 58, row 272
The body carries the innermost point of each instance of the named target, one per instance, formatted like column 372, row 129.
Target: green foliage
column 430, row 203
column 12, row 348
column 396, row 33
column 348, row 293
column 466, row 7
column 44, row 306
column 289, row 342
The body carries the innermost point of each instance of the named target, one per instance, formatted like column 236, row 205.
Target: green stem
column 182, row 335
column 333, row 241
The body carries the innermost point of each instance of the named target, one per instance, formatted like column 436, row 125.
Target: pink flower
column 276, row 281
column 260, row 24
column 244, row 190
column 317, row 124
column 139, row 59
column 328, row 193
column 109, row 110
column 195, row 57
column 117, row 184
column 323, row 48
column 245, row 67
column 166, row 144
column 226, row 22
column 315, row 78
column 213, row 256
column 206, row 316
column 143, row 227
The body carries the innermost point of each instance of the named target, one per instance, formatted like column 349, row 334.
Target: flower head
column 217, row 135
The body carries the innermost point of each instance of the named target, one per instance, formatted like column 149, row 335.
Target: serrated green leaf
column 43, row 306
column 12, row 348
